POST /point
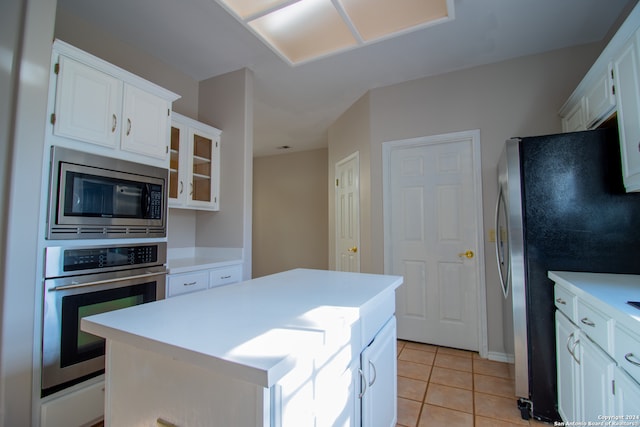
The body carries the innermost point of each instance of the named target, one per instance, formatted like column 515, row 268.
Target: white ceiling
column 295, row 105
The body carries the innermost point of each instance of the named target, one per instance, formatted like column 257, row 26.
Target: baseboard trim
column 500, row 357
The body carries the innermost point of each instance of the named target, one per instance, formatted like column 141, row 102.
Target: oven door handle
column 102, row 282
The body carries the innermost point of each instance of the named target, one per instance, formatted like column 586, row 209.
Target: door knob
column 468, row 254
column 353, row 249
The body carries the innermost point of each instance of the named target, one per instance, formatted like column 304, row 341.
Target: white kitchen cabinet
column 194, row 173
column 204, row 278
column 599, row 100
column 627, row 397
column 585, row 374
column 568, row 393
column 597, row 346
column 627, row 351
column 379, row 382
column 225, row 275
column 626, row 71
column 88, row 104
column 574, row 120
column 596, row 379
column 95, row 102
column 145, row 126
column 178, row 284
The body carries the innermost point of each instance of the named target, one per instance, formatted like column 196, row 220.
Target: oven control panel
column 89, row 259
column 65, row 261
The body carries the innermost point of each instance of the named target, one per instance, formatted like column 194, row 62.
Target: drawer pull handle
column 225, row 277
column 561, row 301
column 189, row 284
column 588, row 322
column 630, row 356
column 164, row 423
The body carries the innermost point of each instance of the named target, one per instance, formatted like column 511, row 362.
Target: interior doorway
column 433, row 237
column 347, row 176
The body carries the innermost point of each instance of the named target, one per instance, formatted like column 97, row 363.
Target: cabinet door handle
column 568, row 341
column 189, row 284
column 114, row 123
column 561, row 301
column 630, row 356
column 164, row 423
column 573, row 351
column 363, row 383
column 128, row 127
column 586, row 321
column 375, row 373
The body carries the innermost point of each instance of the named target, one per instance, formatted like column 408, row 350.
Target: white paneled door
column 348, row 214
column 432, row 221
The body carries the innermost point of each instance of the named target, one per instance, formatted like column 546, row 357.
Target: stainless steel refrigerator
column 561, row 206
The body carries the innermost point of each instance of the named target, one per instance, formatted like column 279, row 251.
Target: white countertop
column 185, row 260
column 614, row 290
column 254, row 330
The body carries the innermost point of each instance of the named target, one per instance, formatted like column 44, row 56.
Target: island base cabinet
column 627, row 397
column 148, row 388
column 379, row 382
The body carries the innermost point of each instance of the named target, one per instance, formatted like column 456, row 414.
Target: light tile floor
column 439, row 386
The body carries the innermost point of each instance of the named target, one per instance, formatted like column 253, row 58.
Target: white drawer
column 187, row 282
column 596, row 325
column 565, row 301
column 225, row 275
column 627, row 351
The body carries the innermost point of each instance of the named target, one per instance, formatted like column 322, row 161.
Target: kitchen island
column 302, row 347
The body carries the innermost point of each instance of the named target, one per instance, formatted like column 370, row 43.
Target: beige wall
column 226, row 102
column 351, row 133
column 514, row 98
column 105, row 46
column 290, row 212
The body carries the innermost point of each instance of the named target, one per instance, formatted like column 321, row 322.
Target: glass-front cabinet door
column 194, row 172
column 176, row 181
column 201, row 167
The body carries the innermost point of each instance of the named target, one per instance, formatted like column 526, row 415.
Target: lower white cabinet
column 585, row 374
column 379, row 380
column 178, row 284
column 199, row 280
column 82, row 406
column 627, row 396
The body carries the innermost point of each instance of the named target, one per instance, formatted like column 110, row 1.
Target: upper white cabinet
column 626, row 70
column 118, row 113
column 194, row 172
column 599, row 100
column 88, row 104
column 612, row 85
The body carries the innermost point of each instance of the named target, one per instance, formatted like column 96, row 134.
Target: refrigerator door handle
column 504, row 282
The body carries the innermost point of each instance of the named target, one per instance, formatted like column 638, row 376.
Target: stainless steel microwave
column 93, row 197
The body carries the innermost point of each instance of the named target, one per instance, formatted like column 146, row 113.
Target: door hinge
column 167, row 149
column 56, row 68
column 168, row 112
column 215, row 200
column 337, row 182
column 613, row 89
column 613, row 387
column 216, row 144
column 53, row 118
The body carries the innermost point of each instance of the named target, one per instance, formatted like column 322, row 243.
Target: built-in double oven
column 106, row 228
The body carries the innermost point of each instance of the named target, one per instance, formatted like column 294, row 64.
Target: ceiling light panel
column 248, row 8
column 304, row 30
column 375, row 19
